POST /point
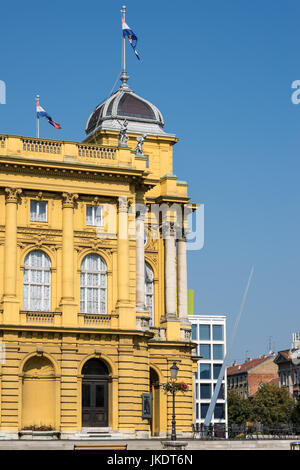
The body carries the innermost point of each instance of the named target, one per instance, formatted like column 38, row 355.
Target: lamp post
column 174, row 371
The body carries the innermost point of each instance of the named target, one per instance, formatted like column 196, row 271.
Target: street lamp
column 174, row 371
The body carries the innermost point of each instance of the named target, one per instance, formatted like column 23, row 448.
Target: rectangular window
column 221, row 392
column 205, row 371
column 205, row 332
column 194, row 332
column 218, row 352
column 218, row 332
column 205, row 391
column 216, row 370
column 38, row 211
column 94, row 216
column 197, row 410
column 219, row 414
column 205, row 351
column 204, row 410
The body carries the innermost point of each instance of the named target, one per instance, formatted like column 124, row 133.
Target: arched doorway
column 39, row 394
column 95, row 394
column 155, row 390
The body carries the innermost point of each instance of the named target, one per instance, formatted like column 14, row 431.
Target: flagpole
column 37, row 118
column 124, row 76
column 124, row 54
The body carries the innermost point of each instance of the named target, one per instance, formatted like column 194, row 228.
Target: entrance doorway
column 155, row 390
column 95, row 394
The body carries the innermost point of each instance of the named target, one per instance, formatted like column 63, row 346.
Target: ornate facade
column 93, row 295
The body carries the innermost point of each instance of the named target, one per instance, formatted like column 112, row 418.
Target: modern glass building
column 209, row 332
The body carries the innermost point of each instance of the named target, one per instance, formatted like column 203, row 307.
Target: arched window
column 37, row 282
column 93, row 285
column 149, row 291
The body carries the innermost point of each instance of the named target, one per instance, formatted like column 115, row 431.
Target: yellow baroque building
column 93, row 279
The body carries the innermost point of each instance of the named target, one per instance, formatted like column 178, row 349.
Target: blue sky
column 221, row 73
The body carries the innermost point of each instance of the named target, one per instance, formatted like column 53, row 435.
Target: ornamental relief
column 153, row 258
column 151, row 240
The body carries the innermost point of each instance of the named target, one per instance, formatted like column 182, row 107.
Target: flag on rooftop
column 40, row 112
column 132, row 38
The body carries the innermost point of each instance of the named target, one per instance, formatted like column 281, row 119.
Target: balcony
column 40, row 318
column 98, row 321
column 68, row 152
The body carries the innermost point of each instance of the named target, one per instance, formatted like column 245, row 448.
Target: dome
column 124, row 104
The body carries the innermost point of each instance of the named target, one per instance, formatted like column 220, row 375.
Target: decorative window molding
column 93, row 285
column 37, row 282
column 38, row 211
column 94, row 216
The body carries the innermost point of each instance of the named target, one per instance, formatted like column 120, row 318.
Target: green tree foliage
column 271, row 406
column 296, row 413
column 239, row 409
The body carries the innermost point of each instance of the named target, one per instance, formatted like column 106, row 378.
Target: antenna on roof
column 222, row 371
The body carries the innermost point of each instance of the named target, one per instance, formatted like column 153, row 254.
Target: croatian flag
column 131, row 37
column 40, row 112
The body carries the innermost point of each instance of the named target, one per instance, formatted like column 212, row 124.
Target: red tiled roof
column 286, row 354
column 246, row 366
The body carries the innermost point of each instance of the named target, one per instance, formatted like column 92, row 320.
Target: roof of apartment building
column 283, row 356
column 248, row 365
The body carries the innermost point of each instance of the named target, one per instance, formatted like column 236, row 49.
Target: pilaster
column 124, row 308
column 67, row 303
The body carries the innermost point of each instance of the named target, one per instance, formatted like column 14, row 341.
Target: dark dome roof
column 124, row 104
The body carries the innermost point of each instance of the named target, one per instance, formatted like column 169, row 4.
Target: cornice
column 14, row 164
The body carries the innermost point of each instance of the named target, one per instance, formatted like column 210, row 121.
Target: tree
column 272, row 405
column 239, row 408
column 296, row 413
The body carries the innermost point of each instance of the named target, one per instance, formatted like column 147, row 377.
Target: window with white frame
column 37, row 282
column 94, row 216
column 38, row 211
column 149, row 291
column 93, row 285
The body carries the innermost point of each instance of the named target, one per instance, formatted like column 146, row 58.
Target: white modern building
column 209, row 332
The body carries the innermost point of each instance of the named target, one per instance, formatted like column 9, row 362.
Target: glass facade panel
column 216, row 370
column 204, row 409
column 205, row 391
column 218, row 334
column 194, row 332
column 205, row 332
column 205, row 371
column 205, row 351
column 218, row 353
column 219, row 414
column 221, row 392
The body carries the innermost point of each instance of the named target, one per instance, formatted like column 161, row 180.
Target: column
column 182, row 280
column 140, row 258
column 170, row 269
column 67, row 300
column 126, row 318
column 10, row 301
